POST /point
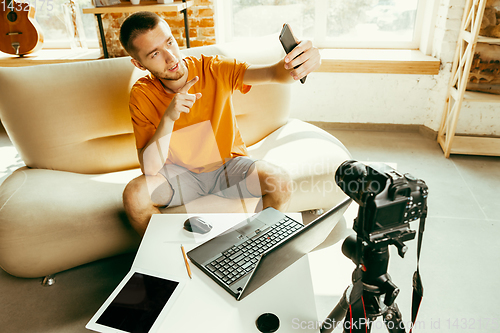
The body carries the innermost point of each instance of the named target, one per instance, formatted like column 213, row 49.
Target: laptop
column 253, row 252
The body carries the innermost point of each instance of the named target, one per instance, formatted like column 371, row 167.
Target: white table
column 203, row 305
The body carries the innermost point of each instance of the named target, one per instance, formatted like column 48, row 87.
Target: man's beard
column 172, row 76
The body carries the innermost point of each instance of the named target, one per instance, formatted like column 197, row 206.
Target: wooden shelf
column 467, row 36
column 473, row 145
column 149, row 5
column 473, row 96
column 489, row 40
column 49, row 56
column 457, row 89
column 378, row 61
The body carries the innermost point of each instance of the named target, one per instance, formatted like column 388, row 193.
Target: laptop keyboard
column 239, row 260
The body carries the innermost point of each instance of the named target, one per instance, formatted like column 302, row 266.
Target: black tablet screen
column 138, row 304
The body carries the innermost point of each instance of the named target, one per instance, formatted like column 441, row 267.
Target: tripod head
column 374, row 263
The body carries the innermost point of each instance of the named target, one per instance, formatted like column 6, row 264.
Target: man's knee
column 146, row 191
column 274, row 180
column 134, row 193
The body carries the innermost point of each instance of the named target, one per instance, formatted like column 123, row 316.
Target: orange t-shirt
column 208, row 134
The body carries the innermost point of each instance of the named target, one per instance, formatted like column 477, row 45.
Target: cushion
column 54, row 220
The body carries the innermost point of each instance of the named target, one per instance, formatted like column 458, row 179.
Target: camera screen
column 389, row 216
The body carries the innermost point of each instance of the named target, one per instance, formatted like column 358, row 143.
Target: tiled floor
column 459, row 264
column 460, row 253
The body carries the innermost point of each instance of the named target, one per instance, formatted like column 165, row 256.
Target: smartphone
column 288, row 42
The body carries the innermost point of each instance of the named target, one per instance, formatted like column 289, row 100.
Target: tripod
column 388, row 202
column 372, row 293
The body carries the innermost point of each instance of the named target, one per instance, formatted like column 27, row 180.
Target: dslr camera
column 388, row 201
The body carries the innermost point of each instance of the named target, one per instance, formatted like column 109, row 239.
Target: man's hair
column 134, row 25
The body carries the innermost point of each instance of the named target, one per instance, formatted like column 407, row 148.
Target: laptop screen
column 285, row 254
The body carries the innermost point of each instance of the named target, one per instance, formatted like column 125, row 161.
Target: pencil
column 186, row 262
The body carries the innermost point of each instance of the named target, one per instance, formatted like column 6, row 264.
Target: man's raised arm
column 304, row 55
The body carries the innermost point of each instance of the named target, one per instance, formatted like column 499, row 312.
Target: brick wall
column 447, row 29
column 201, row 27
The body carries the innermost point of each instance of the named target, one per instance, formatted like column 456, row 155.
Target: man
column 187, row 138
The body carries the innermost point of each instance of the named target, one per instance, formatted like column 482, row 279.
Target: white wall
column 392, row 98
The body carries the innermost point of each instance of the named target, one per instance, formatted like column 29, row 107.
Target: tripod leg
column 393, row 320
column 336, row 316
column 359, row 325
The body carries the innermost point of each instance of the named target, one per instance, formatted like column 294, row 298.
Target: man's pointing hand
column 182, row 101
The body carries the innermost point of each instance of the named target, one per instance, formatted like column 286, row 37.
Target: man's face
column 159, row 53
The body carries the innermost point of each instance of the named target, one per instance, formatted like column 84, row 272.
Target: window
column 49, row 15
column 330, row 23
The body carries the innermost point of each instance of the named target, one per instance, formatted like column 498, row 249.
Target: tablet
column 139, row 303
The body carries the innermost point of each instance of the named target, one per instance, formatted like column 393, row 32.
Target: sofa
column 70, row 124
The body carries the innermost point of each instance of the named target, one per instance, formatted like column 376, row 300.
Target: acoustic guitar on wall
column 20, row 34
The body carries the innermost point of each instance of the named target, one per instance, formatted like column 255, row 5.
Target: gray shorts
column 228, row 181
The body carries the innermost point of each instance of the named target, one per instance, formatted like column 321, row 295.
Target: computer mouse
column 197, row 224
